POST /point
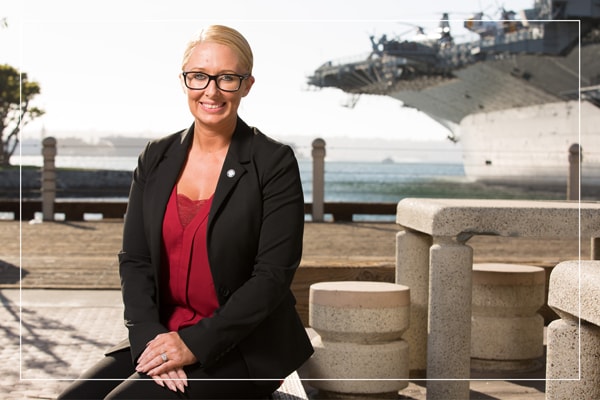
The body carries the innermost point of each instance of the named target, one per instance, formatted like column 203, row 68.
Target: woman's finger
column 151, row 365
column 158, row 381
column 171, row 384
column 182, row 376
column 174, row 378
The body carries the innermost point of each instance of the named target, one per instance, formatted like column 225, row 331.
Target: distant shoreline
column 344, row 182
column 70, row 182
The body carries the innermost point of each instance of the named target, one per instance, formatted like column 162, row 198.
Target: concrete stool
column 507, row 333
column 359, row 348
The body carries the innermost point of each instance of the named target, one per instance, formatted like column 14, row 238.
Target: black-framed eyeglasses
column 226, row 82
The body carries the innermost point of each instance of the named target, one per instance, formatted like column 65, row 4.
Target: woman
column 212, row 238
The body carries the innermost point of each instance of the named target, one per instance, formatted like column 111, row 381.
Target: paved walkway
column 49, row 336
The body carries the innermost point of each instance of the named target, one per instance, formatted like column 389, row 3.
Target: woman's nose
column 212, row 87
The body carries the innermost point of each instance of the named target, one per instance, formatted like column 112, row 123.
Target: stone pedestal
column 359, row 348
column 573, row 354
column 507, row 333
column 412, row 270
column 573, row 359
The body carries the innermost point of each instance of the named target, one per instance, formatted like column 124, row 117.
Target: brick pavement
column 49, row 337
column 62, row 332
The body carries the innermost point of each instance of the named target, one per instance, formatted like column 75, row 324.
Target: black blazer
column 255, row 230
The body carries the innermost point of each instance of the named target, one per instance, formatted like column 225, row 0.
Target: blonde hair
column 226, row 36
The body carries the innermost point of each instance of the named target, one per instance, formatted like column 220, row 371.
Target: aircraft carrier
column 517, row 98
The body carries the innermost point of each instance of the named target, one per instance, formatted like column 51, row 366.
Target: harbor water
column 356, row 181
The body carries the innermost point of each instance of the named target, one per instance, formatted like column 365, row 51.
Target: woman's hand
column 164, row 356
column 175, row 380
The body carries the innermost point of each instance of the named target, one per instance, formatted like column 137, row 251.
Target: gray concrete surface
column 50, row 336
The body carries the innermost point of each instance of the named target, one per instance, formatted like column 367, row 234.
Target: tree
column 16, row 93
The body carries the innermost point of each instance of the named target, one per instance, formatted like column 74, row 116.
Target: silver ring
column 164, row 357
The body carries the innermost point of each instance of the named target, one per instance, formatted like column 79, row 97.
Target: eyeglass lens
column 226, row 82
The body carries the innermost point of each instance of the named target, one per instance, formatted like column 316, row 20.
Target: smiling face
column 211, row 107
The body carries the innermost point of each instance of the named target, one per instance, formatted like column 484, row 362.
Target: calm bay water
column 344, row 181
column 371, row 182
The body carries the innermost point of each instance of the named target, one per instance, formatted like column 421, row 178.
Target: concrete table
column 433, row 260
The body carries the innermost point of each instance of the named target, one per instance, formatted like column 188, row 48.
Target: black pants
column 114, row 377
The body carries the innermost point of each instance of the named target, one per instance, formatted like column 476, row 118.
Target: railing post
column 573, row 189
column 575, row 158
column 318, row 193
column 48, row 178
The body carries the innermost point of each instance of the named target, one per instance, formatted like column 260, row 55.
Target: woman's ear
column 183, row 87
column 248, row 85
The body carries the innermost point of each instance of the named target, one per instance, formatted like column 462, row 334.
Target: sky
column 111, row 67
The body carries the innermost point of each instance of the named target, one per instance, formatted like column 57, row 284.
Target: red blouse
column 187, row 288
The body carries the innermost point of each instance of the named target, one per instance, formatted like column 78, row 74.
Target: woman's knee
column 100, row 379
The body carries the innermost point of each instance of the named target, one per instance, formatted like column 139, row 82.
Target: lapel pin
column 230, row 173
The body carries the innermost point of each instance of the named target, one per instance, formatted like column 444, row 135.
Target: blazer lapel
column 233, row 167
column 160, row 186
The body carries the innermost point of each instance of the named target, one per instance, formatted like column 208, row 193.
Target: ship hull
column 509, row 116
column 530, row 145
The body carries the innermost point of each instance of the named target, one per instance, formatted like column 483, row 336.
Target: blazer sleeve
column 276, row 256
column 138, row 283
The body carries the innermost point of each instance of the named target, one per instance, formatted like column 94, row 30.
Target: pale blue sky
column 112, row 66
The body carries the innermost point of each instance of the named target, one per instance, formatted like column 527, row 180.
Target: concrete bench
column 507, row 333
column 291, row 389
